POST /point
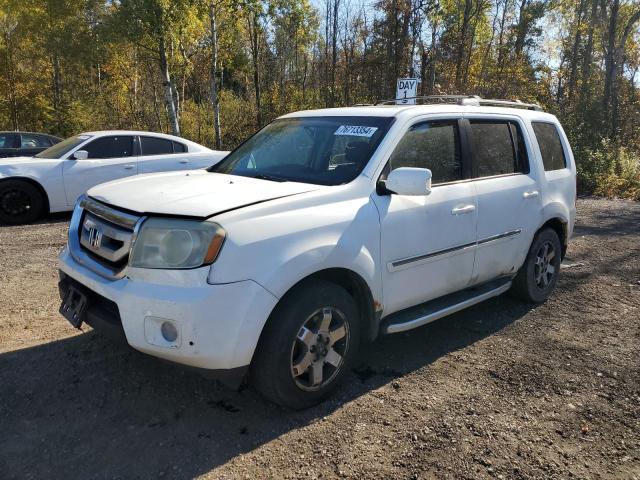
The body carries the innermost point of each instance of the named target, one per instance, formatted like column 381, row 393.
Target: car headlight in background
column 175, row 243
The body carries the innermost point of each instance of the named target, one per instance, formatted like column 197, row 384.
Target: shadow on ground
column 51, row 218
column 85, row 407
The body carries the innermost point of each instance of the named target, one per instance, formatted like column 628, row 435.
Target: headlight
column 173, row 243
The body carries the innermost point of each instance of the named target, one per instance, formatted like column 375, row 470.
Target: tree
column 155, row 25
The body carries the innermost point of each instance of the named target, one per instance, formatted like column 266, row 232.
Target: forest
column 215, row 71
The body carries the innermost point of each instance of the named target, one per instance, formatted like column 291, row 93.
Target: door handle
column 531, row 194
column 183, row 160
column 464, row 209
column 129, row 166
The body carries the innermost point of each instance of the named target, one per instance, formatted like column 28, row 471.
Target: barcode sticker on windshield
column 355, row 131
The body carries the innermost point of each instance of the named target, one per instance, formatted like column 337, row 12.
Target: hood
column 195, row 193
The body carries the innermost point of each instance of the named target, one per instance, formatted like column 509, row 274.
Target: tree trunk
column 215, row 101
column 433, row 59
column 574, row 51
column 462, row 42
column 57, row 90
column 487, row 51
column 253, row 31
column 614, row 60
column 334, row 51
column 11, row 80
column 169, row 98
column 327, row 23
column 521, row 29
column 620, row 59
column 501, row 48
column 609, row 60
column 587, row 59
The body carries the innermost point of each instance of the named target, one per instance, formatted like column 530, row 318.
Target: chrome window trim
column 477, row 179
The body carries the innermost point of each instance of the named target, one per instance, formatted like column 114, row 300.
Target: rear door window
column 433, row 145
column 34, row 141
column 179, row 147
column 550, row 145
column 7, row 140
column 110, row 147
column 155, row 146
column 498, row 148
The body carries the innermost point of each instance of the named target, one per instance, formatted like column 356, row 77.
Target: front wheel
column 537, row 278
column 308, row 344
column 20, row 202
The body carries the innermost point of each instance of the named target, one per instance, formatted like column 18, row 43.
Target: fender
column 304, row 265
column 45, row 175
column 35, row 183
column 298, row 244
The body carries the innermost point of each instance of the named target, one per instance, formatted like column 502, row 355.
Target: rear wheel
column 20, row 202
column 538, row 276
column 307, row 346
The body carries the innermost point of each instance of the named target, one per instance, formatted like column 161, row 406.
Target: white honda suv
column 324, row 230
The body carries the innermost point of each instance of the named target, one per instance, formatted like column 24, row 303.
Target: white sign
column 355, row 131
column 406, row 91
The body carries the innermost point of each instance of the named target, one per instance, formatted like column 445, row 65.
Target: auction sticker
column 355, row 131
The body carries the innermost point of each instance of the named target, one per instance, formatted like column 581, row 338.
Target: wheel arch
column 37, row 185
column 356, row 286
column 560, row 226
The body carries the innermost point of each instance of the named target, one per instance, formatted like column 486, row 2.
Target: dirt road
column 502, row 390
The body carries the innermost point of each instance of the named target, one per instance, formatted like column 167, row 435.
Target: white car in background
column 52, row 180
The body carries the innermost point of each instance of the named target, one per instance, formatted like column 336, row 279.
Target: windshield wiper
column 271, row 178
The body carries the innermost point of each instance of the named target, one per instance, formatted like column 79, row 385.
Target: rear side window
column 110, row 147
column 498, row 148
column 179, row 147
column 432, row 145
column 155, row 146
column 550, row 146
column 7, row 140
column 34, row 141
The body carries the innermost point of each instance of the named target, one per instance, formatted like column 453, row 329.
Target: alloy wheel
column 319, row 350
column 544, row 268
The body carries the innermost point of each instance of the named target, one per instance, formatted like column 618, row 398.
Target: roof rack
column 470, row 100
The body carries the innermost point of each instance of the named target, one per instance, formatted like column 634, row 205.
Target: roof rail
column 471, row 100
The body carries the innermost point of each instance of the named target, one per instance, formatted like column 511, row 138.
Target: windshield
column 62, row 148
column 319, row 150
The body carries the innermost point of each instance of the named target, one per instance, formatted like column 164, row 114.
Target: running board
column 427, row 312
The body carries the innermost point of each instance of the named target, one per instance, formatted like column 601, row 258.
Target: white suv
column 325, row 229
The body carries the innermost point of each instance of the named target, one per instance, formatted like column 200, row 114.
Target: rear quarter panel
column 558, row 187
column 205, row 159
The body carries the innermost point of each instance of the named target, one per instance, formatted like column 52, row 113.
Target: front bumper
column 218, row 325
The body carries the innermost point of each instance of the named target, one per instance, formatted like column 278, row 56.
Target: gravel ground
column 502, row 390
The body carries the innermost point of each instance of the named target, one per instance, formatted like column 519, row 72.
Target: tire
column 538, row 275
column 301, row 359
column 20, row 202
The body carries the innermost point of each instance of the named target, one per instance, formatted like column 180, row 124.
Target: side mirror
column 81, row 155
column 409, row 181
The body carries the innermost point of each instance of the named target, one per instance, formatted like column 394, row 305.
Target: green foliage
column 73, row 65
column 610, row 170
